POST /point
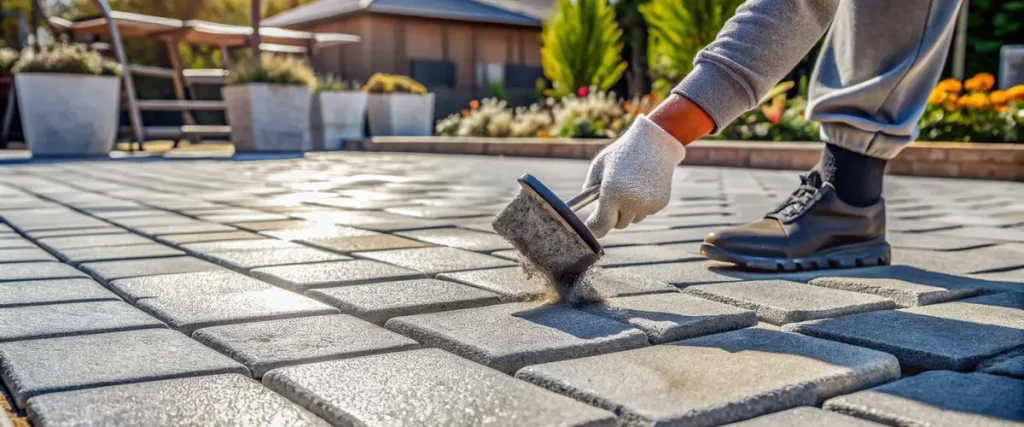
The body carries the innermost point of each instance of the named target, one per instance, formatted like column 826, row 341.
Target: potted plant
column 338, row 113
column 68, row 97
column 268, row 104
column 399, row 106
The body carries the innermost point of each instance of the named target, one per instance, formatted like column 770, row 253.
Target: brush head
column 550, row 237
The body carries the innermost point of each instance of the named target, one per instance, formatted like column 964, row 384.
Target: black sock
column 856, row 177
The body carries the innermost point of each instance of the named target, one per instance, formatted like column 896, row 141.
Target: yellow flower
column 980, row 82
column 949, row 85
column 1015, row 93
column 936, row 97
column 951, row 102
column 998, row 97
column 1002, row 108
column 977, row 101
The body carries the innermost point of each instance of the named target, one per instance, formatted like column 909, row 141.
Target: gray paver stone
column 1010, row 364
column 37, row 271
column 33, row 292
column 57, row 320
column 185, row 284
column 244, row 260
column 512, row 283
column 16, row 243
column 188, row 313
column 509, row 336
column 58, row 244
column 262, row 346
column 316, row 233
column 716, row 379
column 144, row 221
column 240, row 246
column 647, row 254
column 904, row 293
column 113, row 253
column 672, row 317
column 781, row 302
column 458, row 238
column 24, row 255
column 422, row 387
column 697, row 272
column 953, row 335
column 939, row 399
column 436, row 260
column 110, row 270
column 805, row 416
column 188, row 228
column 960, row 262
column 180, row 239
column 378, row 302
column 364, row 243
column 221, row 400
column 30, row 368
column 303, row 277
column 935, row 242
column 655, row 237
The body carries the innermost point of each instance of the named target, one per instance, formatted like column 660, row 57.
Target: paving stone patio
column 143, row 290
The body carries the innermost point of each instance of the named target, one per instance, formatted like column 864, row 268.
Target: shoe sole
column 867, row 254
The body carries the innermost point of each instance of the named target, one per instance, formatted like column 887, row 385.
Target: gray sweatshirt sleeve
column 756, row 48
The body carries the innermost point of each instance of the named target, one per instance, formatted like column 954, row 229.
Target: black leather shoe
column 812, row 229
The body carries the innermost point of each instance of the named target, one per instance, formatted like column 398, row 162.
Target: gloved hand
column 635, row 174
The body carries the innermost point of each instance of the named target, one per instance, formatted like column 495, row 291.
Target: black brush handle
column 583, row 199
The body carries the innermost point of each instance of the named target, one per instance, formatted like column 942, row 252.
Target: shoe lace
column 800, row 199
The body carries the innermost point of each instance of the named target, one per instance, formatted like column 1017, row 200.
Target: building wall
column 388, row 44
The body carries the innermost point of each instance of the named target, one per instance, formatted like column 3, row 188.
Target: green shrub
column 582, row 47
column 678, row 30
column 8, row 57
column 65, row 58
column 275, row 69
column 331, row 83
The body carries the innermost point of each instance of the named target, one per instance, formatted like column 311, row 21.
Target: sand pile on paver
column 548, row 246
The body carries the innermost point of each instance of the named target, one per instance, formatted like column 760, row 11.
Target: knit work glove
column 635, row 174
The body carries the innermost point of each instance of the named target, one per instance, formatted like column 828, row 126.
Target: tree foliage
column 678, row 30
column 582, row 47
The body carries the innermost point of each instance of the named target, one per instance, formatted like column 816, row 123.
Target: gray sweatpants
column 880, row 61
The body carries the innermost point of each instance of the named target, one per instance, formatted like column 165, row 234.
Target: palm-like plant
column 582, row 47
column 678, row 30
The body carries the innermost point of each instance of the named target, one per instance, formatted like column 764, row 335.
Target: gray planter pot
column 268, row 117
column 64, row 115
column 401, row 114
column 337, row 116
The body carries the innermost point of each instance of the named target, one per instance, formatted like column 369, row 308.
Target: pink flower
column 582, row 92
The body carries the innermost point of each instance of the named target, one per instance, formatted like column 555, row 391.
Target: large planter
column 268, row 117
column 337, row 116
column 401, row 114
column 68, row 114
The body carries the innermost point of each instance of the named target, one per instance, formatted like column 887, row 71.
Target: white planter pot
column 68, row 114
column 401, row 114
column 268, row 117
column 337, row 116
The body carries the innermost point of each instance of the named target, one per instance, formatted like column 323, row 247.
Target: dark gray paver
column 38, row 270
column 458, row 238
column 24, row 255
column 57, row 320
column 509, row 336
column 424, row 387
column 110, row 270
column 512, row 283
column 1010, row 364
column 221, row 400
column 57, row 244
column 321, row 275
column 672, row 317
column 805, row 416
column 180, row 239
column 436, row 260
column 716, row 379
column 647, row 254
column 780, row 302
column 938, row 399
column 697, row 272
column 953, row 335
column 263, row 346
column 959, row 262
column 33, row 292
column 378, row 302
column 30, row 368
column 113, row 253
column 188, row 313
column 16, row 243
column 655, row 237
column 364, row 243
column 244, row 260
column 185, row 284
column 186, row 228
column 935, row 242
column 994, row 233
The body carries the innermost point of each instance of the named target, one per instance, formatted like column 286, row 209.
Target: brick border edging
column 932, row 159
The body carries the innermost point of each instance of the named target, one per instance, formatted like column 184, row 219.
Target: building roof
column 513, row 12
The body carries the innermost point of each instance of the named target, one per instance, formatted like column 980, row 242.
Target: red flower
column 582, row 92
